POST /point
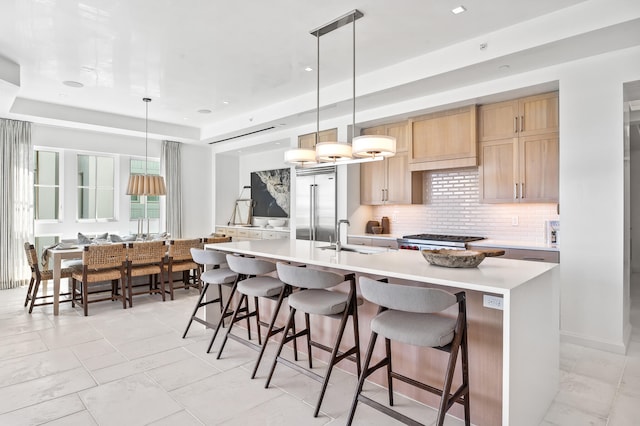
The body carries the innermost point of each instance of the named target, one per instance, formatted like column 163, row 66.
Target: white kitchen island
column 522, row 347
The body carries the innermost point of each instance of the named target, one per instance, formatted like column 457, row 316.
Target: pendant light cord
column 317, row 88
column 353, row 125
column 146, row 134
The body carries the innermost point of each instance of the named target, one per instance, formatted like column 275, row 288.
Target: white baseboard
column 603, row 345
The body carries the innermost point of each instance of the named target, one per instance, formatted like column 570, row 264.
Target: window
column 46, row 188
column 96, row 187
column 153, row 201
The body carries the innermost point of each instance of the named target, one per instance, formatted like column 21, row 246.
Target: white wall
column 196, row 180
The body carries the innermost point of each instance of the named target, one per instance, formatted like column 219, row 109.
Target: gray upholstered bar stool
column 315, row 298
column 253, row 282
column 218, row 274
column 410, row 315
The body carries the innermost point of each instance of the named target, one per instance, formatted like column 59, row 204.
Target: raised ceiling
column 230, row 57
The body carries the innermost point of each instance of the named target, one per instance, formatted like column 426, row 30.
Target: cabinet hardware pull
column 522, row 190
column 537, row 259
column 515, row 124
column 521, row 123
column 515, row 192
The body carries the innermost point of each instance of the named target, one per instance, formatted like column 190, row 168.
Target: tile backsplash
column 453, row 206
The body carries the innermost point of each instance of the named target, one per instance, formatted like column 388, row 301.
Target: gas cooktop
column 435, row 241
column 447, row 238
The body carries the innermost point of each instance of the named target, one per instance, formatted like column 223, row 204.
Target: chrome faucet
column 338, row 223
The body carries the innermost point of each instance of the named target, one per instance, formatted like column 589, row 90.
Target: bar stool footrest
column 388, row 411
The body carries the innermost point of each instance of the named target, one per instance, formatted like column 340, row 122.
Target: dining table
column 56, row 255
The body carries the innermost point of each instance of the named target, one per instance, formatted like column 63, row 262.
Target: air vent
column 242, row 135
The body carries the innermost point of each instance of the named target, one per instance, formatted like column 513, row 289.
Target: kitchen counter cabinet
column 444, row 140
column 252, row 232
column 526, row 254
column 513, row 353
column 390, row 181
column 375, row 240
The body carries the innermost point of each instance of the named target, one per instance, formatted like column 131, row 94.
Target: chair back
column 32, row 256
column 146, row 252
column 104, row 256
column 212, row 239
column 181, row 249
column 249, row 265
column 406, row 298
column 208, row 257
column 307, row 277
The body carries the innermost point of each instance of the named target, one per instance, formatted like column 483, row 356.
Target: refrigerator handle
column 312, row 212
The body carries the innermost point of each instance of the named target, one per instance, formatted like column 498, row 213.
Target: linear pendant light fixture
column 368, row 148
column 146, row 184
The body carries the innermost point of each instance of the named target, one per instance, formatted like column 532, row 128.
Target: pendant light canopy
column 146, row 184
column 370, row 148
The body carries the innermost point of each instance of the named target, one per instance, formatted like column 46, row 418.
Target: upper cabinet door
column 538, row 114
column 400, row 131
column 498, row 121
column 499, row 171
column 539, row 168
column 308, row 141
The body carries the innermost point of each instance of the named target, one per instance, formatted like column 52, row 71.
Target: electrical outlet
column 394, row 217
column 493, row 302
column 514, row 220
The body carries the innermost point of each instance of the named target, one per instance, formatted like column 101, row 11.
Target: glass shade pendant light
column 374, row 146
column 146, row 184
column 369, row 148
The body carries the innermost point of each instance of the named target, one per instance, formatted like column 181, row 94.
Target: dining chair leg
column 29, row 296
column 224, row 313
column 123, row 287
column 363, row 376
column 85, row 298
column 195, row 309
column 233, row 320
column 34, row 294
column 269, row 332
column 283, row 340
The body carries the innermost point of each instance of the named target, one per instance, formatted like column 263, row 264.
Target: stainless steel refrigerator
column 316, row 203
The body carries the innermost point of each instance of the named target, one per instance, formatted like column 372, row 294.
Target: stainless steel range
column 434, row 241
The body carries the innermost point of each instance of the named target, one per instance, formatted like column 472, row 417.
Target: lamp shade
column 333, row 151
column 374, row 146
column 146, row 185
column 300, row 156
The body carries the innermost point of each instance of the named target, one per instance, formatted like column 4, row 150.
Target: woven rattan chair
column 145, row 259
column 180, row 260
column 37, row 276
column 413, row 316
column 101, row 263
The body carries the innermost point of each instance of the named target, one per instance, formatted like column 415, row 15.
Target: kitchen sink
column 357, row 249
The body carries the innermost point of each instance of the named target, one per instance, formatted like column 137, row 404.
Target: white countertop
column 492, row 275
column 256, row 227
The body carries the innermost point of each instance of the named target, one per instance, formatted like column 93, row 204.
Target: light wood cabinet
column 520, row 170
column 374, row 242
column 443, row 140
column 308, row 141
column 390, row 181
column 247, row 233
column 519, row 150
column 528, row 116
column 550, row 256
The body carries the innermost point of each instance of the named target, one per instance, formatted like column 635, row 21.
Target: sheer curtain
column 171, row 169
column 16, row 193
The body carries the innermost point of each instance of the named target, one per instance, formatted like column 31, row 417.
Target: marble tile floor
column 131, row 367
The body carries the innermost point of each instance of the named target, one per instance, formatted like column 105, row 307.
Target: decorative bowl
column 454, row 258
column 260, row 221
column 276, row 222
column 376, row 229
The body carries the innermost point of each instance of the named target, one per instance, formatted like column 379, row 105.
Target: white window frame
column 61, row 188
column 116, row 186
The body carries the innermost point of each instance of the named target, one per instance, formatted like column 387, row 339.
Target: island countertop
column 492, row 275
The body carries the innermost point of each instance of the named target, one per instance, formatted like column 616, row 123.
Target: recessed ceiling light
column 458, row 10
column 308, row 69
column 72, row 83
column 185, row 118
column 504, row 67
column 225, row 102
column 204, row 111
column 277, row 143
